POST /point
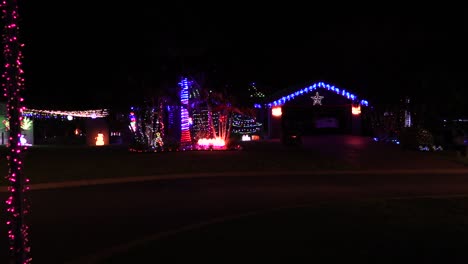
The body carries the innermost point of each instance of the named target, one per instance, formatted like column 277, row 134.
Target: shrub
column 414, row 137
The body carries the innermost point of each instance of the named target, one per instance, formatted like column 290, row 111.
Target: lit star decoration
column 317, row 99
column 17, row 204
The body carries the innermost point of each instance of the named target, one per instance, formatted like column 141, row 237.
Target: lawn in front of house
column 54, row 164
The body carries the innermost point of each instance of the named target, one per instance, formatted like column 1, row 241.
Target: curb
column 94, row 182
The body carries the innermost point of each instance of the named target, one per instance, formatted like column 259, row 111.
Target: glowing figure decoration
column 100, row 139
column 356, row 110
column 317, row 99
column 246, row 138
column 408, row 122
column 132, row 125
column 276, row 111
column 69, row 117
column 6, row 123
column 24, row 141
column 158, row 140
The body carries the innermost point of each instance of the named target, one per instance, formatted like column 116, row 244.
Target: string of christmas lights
column 185, row 138
column 94, row 113
column 311, row 88
column 17, row 203
column 148, row 128
column 245, row 125
column 201, row 127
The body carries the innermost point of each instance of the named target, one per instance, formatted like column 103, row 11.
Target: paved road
column 70, row 223
column 73, row 222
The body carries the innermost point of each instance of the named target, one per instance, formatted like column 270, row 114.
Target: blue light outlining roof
column 311, row 88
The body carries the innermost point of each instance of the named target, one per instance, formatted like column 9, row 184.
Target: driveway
column 365, row 153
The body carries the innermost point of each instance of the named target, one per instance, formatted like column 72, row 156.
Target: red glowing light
column 356, row 110
column 276, row 111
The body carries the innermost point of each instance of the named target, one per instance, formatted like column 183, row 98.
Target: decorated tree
column 147, row 127
column 222, row 105
column 212, row 114
column 17, row 203
column 246, row 123
column 26, row 123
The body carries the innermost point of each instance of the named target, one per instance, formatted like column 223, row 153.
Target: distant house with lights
column 320, row 108
column 82, row 127
column 96, row 127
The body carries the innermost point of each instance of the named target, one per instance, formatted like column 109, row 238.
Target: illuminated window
column 255, row 137
column 356, row 110
column 276, row 111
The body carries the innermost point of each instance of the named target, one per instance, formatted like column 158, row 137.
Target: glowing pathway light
column 211, row 143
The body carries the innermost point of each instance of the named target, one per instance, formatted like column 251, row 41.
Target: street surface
column 71, row 223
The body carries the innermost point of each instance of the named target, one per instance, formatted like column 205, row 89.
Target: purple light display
column 17, row 204
column 185, row 138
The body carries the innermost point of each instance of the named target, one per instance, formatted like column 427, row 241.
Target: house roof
column 282, row 97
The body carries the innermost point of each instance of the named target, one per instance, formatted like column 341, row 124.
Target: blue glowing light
column 313, row 87
column 184, row 114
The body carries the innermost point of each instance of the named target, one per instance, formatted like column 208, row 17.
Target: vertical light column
column 185, row 137
column 13, row 84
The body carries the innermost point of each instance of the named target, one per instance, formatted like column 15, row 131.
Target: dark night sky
column 105, row 55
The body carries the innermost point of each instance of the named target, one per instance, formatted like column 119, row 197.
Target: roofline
column 281, row 100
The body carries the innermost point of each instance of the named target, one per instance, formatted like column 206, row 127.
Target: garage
column 320, row 108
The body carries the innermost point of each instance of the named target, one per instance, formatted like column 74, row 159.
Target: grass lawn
column 452, row 155
column 52, row 163
column 420, row 230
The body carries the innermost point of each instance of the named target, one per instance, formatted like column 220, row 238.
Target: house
column 316, row 109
